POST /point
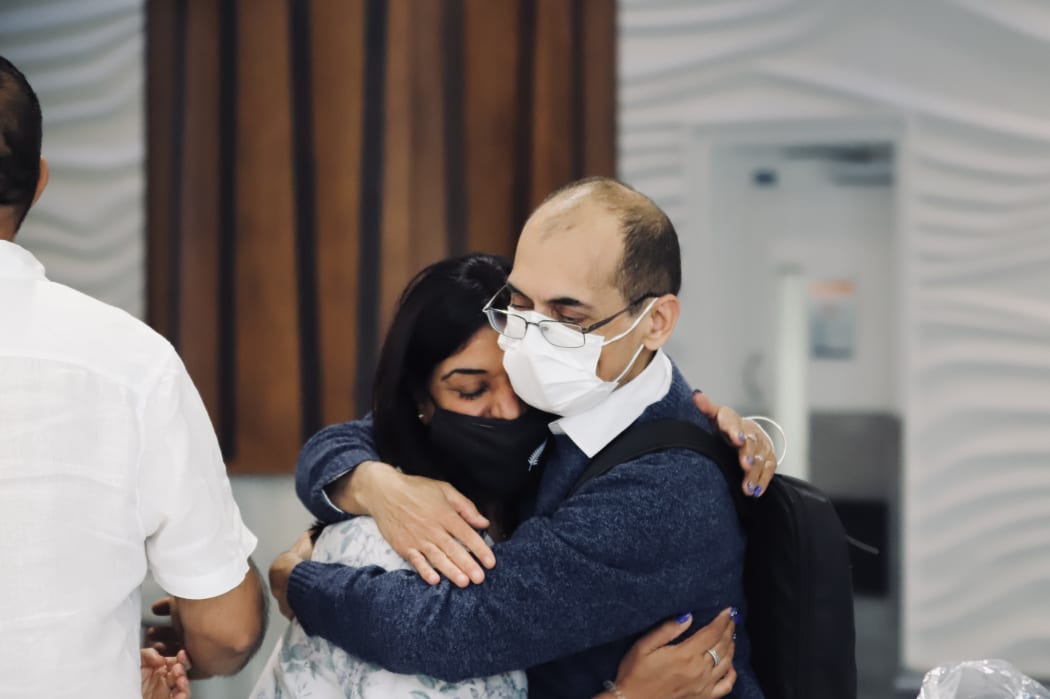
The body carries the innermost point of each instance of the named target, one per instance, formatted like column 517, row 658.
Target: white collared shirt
column 108, row 466
column 592, row 430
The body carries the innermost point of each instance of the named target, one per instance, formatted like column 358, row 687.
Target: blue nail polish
column 750, row 461
column 750, row 488
column 734, row 612
column 740, row 436
column 684, row 618
column 758, row 491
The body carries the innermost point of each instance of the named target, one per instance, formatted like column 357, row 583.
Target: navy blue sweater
column 574, row 587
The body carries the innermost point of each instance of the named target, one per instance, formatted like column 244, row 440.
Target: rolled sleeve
column 197, row 544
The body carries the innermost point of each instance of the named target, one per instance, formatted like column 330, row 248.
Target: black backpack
column 797, row 578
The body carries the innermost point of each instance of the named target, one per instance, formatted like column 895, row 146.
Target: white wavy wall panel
column 966, row 80
column 85, row 59
column 977, row 517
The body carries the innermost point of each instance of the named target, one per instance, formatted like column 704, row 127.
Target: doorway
column 792, row 308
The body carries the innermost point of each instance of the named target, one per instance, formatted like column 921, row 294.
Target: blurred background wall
column 85, row 61
column 259, row 179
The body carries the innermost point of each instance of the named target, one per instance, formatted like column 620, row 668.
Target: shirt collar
column 18, row 263
column 592, row 430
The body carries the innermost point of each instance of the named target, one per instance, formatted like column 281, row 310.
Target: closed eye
column 473, row 395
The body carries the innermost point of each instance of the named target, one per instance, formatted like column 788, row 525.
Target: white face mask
column 561, row 380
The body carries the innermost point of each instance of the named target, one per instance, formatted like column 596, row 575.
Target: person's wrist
column 368, row 483
column 354, row 492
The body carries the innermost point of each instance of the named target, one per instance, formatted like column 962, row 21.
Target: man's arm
column 196, row 542
column 221, row 634
column 325, row 466
column 603, row 567
column 427, row 522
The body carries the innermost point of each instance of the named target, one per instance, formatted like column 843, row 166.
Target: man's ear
column 41, row 182
column 663, row 317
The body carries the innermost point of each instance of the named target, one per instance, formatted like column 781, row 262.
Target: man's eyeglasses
column 559, row 333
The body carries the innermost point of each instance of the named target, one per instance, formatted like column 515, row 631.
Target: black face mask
column 489, row 458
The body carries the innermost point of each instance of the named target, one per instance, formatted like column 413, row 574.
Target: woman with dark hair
column 444, row 409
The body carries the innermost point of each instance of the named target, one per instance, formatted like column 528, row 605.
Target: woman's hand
column 164, row 678
column 757, row 457
column 281, row 571
column 652, row 669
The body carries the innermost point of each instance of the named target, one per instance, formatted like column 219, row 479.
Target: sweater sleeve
column 329, row 454
column 645, row 542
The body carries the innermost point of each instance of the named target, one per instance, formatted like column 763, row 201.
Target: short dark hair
column 21, row 134
column 652, row 260
column 439, row 312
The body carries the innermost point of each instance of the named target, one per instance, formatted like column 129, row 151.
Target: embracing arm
column 339, row 474
column 427, row 522
column 562, row 585
column 325, row 465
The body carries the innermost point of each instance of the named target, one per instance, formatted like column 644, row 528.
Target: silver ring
column 759, row 458
column 714, row 656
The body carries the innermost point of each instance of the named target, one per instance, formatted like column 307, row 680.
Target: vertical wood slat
column 493, row 51
column 598, row 103
column 373, row 129
column 267, row 391
column 414, row 215
column 305, row 205
column 386, row 140
column 226, row 299
column 160, row 122
column 338, row 31
column 199, row 329
column 397, row 159
column 552, row 146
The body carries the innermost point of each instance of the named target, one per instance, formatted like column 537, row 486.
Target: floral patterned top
column 304, row 666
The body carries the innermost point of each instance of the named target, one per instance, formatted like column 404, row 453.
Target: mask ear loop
column 627, row 332
column 634, row 325
column 631, row 364
column 783, row 436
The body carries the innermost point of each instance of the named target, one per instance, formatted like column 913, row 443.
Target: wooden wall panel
column 414, row 186
column 596, row 117
column 338, row 43
column 494, row 121
column 267, row 348
column 553, row 139
column 163, row 114
column 198, row 332
column 307, row 157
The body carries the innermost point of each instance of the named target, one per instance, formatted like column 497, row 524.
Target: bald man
column 598, row 268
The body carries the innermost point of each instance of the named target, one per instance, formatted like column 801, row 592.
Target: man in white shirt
column 108, row 467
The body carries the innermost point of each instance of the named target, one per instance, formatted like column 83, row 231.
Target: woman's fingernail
column 750, row 488
column 750, row 460
column 684, row 618
column 734, row 612
column 758, row 490
column 740, row 436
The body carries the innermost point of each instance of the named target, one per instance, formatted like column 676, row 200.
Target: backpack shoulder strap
column 645, row 438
